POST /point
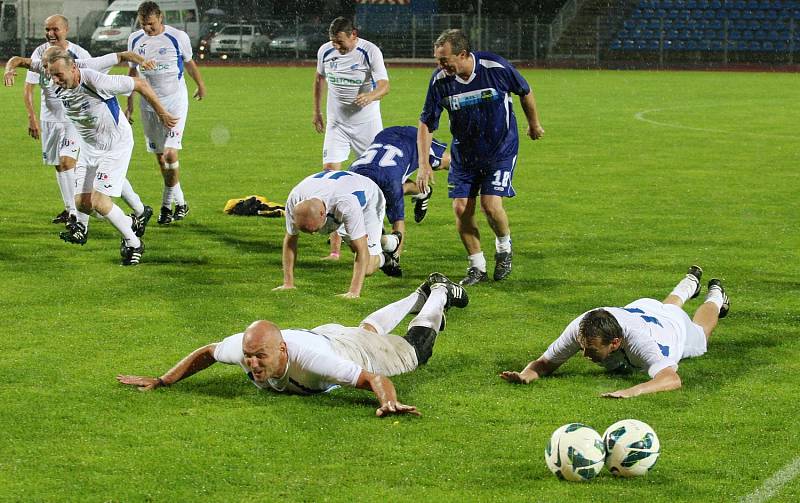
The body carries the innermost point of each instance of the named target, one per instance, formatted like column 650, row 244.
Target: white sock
column 431, row 313
column 389, row 243
column 167, row 197
column 122, row 223
column 66, row 184
column 503, row 244
column 381, row 260
column 82, row 218
column 387, row 318
column 178, row 191
column 685, row 288
column 132, row 198
column 422, row 195
column 714, row 296
column 478, row 260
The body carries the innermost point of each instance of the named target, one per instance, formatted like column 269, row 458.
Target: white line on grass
column 641, row 117
column 774, row 484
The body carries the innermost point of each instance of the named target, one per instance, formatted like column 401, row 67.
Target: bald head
column 309, row 215
column 56, row 28
column 264, row 351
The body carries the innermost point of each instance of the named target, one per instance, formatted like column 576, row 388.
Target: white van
column 119, row 21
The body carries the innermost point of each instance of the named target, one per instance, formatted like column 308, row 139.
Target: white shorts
column 157, row 136
column 341, row 137
column 103, row 170
column 374, row 213
column 59, row 139
column 689, row 338
column 387, row 355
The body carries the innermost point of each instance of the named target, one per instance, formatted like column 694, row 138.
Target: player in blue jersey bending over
column 645, row 335
column 390, row 161
column 475, row 88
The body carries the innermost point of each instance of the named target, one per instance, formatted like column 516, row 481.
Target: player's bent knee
column 422, row 340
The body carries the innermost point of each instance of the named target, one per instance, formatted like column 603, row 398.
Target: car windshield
column 119, row 19
column 236, row 30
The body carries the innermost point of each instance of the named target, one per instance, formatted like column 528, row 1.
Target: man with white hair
column 316, row 361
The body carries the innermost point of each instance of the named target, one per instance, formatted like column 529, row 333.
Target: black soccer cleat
column 473, row 277
column 139, row 224
column 181, row 210
column 456, row 294
column 423, row 292
column 391, row 265
column 165, row 217
column 694, row 274
column 502, row 265
column 61, row 218
column 421, row 205
column 131, row 255
column 716, row 284
column 75, row 233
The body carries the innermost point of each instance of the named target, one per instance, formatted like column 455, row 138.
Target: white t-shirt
column 349, row 75
column 313, row 365
column 51, row 109
column 648, row 343
column 93, row 107
column 170, row 49
column 345, row 195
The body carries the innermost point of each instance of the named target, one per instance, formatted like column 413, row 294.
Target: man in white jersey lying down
column 315, row 361
column 644, row 335
column 106, row 141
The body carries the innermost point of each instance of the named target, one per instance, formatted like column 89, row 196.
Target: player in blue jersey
column 475, row 88
column 390, row 161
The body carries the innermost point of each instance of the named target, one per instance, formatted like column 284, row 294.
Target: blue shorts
column 391, row 184
column 488, row 178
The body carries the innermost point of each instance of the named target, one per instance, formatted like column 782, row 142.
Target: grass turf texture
column 609, row 209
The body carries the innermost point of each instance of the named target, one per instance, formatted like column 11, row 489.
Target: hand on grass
column 390, row 408
column 141, row 383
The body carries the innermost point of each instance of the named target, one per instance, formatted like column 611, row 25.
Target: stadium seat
column 691, row 45
column 767, row 46
column 715, row 5
column 636, row 14
column 629, row 44
column 747, row 35
column 716, row 45
column 754, row 45
column 616, row 44
column 734, row 35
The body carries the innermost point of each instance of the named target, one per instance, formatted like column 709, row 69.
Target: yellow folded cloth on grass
column 254, row 206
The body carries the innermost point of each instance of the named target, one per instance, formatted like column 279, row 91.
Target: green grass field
column 640, row 175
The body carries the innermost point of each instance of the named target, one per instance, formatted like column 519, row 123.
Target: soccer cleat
column 423, row 292
column 75, row 233
column 139, row 224
column 456, row 294
column 391, row 265
column 694, row 274
column 474, row 276
column 396, row 252
column 61, row 218
column 131, row 255
column 181, row 210
column 502, row 265
column 421, row 205
column 716, row 284
column 165, row 217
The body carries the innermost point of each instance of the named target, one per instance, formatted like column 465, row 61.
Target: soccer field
column 639, row 175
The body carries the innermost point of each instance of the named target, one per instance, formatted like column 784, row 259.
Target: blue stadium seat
column 629, row 44
column 672, row 34
column 629, row 24
column 754, row 45
column 754, row 24
column 772, row 14
column 734, row 14
column 753, row 4
column 680, row 45
column 616, row 44
column 709, row 14
column 747, row 35
column 697, row 35
column 760, row 35
column 636, row 14
column 715, row 24
column 716, row 45
column 680, row 24
column 742, row 45
column 704, row 45
column 691, row 45
column 767, row 46
column 715, row 5
column 648, row 35
column 641, row 45
column 734, row 35
column 710, row 34
column 781, row 46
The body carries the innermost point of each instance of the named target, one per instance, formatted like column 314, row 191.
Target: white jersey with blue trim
column 51, row 109
column 170, row 49
column 649, row 343
column 93, row 107
column 345, row 194
column 349, row 75
column 313, row 365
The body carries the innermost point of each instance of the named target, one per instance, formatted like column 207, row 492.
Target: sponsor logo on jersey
column 344, row 81
column 162, row 51
column 102, row 177
column 471, row 98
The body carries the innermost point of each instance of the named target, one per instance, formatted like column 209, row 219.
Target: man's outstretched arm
column 386, row 394
column 534, row 370
column 666, row 380
column 197, row 360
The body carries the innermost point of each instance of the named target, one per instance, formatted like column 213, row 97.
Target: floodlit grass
column 610, row 208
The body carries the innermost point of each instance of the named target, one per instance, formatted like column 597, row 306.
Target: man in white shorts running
column 171, row 49
column 354, row 206
column 316, row 361
column 106, row 140
column 644, row 335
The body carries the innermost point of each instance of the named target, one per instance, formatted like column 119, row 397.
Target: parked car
column 304, row 39
column 244, row 39
column 207, row 31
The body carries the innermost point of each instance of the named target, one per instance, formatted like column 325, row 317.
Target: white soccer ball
column 632, row 448
column 575, row 452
